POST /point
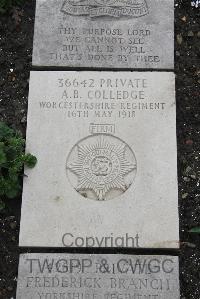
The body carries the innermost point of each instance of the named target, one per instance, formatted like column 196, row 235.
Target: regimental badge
column 101, row 167
column 113, row 8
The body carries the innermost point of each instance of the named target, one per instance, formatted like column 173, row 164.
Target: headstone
column 104, row 34
column 76, row 276
column 107, row 166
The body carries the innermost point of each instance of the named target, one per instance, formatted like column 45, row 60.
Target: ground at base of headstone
column 16, row 37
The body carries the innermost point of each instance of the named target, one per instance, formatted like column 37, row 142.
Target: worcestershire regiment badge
column 104, row 167
column 113, row 8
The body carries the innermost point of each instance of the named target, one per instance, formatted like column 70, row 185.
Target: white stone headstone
column 107, row 168
column 76, row 276
column 104, row 34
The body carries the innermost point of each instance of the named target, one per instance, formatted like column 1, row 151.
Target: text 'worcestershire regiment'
column 102, row 98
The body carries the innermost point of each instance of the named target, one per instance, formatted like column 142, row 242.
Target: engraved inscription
column 83, row 276
column 110, row 34
column 101, row 167
column 113, row 8
column 102, row 128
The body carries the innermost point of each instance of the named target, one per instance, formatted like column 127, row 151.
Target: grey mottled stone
column 104, row 34
column 76, row 276
column 106, row 149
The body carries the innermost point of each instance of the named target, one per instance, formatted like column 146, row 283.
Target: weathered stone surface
column 106, row 173
column 104, row 34
column 76, row 276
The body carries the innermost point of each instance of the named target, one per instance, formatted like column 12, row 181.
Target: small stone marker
column 76, row 276
column 104, row 34
column 106, row 173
